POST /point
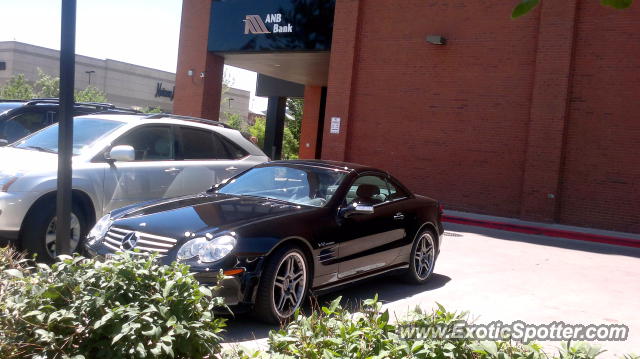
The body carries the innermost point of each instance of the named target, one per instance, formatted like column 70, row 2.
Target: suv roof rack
column 119, row 111
column 157, row 116
column 10, row 100
column 98, row 105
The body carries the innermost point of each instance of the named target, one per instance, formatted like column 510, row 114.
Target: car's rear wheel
column 423, row 258
column 283, row 286
column 39, row 230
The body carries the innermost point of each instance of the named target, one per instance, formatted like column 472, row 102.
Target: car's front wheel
column 283, row 285
column 39, row 230
column 423, row 258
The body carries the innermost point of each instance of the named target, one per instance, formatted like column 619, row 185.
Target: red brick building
column 535, row 118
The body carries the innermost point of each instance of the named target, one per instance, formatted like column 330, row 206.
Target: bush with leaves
column 290, row 146
column 125, row 307
column 369, row 333
column 17, row 88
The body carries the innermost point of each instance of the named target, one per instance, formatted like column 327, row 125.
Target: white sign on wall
column 335, row 125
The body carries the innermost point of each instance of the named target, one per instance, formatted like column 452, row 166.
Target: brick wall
column 521, row 118
column 195, row 95
column 601, row 172
column 449, row 121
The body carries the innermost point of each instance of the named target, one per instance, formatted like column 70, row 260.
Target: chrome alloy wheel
column 424, row 257
column 50, row 236
column 290, row 284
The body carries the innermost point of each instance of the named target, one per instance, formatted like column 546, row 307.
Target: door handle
column 172, row 170
column 399, row 216
column 232, row 168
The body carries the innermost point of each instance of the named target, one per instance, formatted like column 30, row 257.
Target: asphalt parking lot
column 499, row 275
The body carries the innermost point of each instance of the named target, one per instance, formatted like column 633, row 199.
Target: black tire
column 37, row 224
column 417, row 273
column 266, row 307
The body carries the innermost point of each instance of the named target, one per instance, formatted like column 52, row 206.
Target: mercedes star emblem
column 129, row 241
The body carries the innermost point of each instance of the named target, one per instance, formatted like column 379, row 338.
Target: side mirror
column 357, row 209
column 122, row 154
column 3, row 142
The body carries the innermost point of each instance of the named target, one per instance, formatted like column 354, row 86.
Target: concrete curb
column 544, row 231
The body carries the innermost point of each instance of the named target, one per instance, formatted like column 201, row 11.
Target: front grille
column 147, row 243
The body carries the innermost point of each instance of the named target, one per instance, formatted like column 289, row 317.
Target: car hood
column 199, row 214
column 22, row 160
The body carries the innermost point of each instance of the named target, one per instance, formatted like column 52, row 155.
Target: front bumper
column 13, row 209
column 238, row 290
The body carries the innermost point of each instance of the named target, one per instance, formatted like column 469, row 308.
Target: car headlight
column 100, row 229
column 7, row 179
column 208, row 251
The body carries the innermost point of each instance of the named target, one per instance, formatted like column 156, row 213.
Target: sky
column 141, row 32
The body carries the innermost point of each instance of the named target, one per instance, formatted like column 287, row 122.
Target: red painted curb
column 619, row 241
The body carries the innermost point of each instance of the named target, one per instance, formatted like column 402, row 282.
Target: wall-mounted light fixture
column 202, row 75
column 190, row 73
column 436, row 39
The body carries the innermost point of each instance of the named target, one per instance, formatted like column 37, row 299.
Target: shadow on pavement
column 564, row 243
column 244, row 327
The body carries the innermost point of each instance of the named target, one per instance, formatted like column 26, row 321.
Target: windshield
column 6, row 106
column 86, row 131
column 309, row 186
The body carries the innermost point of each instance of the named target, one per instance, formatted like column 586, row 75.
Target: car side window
column 201, row 144
column 368, row 189
column 151, row 143
column 395, row 192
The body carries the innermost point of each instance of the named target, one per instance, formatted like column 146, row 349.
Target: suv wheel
column 283, row 286
column 39, row 230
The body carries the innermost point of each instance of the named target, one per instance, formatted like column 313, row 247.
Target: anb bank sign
column 253, row 24
column 271, row 25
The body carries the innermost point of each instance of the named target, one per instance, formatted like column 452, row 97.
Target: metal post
column 65, row 130
column 276, row 112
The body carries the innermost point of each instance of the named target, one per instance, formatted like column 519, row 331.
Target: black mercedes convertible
column 284, row 229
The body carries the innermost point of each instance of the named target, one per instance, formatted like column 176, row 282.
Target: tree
column 295, row 107
column 290, row 146
column 90, row 94
column 258, row 129
column 234, row 121
column 525, row 6
column 17, row 88
column 46, row 86
column 151, row 110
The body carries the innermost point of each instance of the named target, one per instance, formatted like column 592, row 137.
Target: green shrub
column 126, row 307
column 369, row 333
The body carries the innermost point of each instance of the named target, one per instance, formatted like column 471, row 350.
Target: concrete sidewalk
column 545, row 229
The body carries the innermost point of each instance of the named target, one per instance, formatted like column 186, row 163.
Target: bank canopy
column 286, row 39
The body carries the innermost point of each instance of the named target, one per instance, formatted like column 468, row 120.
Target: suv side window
column 201, row 144
column 235, row 152
column 151, row 143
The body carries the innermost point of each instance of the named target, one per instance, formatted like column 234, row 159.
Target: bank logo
column 253, row 24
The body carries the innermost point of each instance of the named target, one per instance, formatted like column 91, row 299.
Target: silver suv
column 119, row 160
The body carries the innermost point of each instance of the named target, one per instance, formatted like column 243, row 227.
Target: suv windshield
column 86, row 131
column 305, row 185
